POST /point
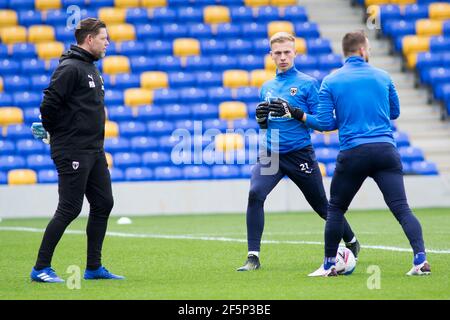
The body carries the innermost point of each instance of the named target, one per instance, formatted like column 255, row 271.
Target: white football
column 345, row 261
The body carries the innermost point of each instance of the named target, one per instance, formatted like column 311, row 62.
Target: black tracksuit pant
column 80, row 173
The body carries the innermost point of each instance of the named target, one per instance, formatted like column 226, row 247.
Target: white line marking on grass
column 208, row 238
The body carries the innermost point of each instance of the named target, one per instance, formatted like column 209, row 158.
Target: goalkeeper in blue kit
column 284, row 100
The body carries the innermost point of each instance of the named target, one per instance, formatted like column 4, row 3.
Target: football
column 345, row 261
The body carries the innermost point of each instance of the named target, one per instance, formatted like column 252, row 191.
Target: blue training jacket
column 363, row 99
column 301, row 91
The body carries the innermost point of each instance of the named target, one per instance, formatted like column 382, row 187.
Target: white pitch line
column 208, row 238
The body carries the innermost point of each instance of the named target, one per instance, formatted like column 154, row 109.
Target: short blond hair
column 280, row 37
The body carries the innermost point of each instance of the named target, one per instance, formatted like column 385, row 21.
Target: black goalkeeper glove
column 262, row 112
column 282, row 109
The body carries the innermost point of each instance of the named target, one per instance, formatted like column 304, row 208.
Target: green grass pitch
column 195, row 257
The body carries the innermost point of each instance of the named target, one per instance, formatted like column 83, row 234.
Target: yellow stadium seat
column 282, row 3
column 127, row 3
column 111, row 129
column 257, row 3
column 258, row 77
column 323, row 169
column 1, row 84
column 154, row 80
column 8, row 18
column 403, row 1
column 22, row 176
column 41, row 33
column 49, row 50
column 232, row 110
column 154, row 3
column 137, row 97
column 186, row 47
column 280, row 26
column 122, row 32
column 216, row 14
column 269, row 64
column 412, row 60
column 235, row 78
column 47, row 4
column 300, row 45
column 414, row 43
column 229, row 142
column 14, row 34
column 376, row 2
column 439, row 10
column 116, row 64
column 109, row 159
column 427, row 27
column 112, row 16
column 10, row 115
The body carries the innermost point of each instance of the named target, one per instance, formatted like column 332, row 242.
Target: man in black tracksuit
column 73, row 119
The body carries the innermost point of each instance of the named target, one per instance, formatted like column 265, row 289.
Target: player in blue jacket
column 360, row 101
column 288, row 145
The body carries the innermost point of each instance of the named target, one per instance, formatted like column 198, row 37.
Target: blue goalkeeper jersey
column 301, row 91
column 359, row 100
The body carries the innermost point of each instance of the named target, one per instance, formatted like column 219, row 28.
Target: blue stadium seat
column 254, row 30
column 318, row 46
column 241, row 14
column 193, row 95
column 118, row 144
column 150, row 112
column 140, row 64
column 138, row 174
column 80, row 3
column 6, row 99
column 212, row 47
column 159, row 47
column 428, row 60
column 330, row 169
column 4, row 51
column 424, row 168
column 442, row 91
column 129, row 129
column 30, row 67
column 169, row 63
column 3, row 178
column 305, row 62
column 9, row 67
column 39, row 82
column 21, row 4
column 306, row 30
column 268, row 13
column 174, row 30
column 250, row 62
column 29, row 146
column 401, row 138
column 207, row 79
column 247, row 94
column 126, row 159
column 24, row 50
column 18, row 131
column 12, row 162
column 219, row 94
column 168, row 142
column 200, row 31
column 114, row 97
column 190, row 14
column 165, row 96
column 136, row 16
column 7, row 147
column 246, row 171
column 215, row 124
column 295, row 14
column 156, row 158
column 196, row 172
column 326, row 155
column 177, row 112
column 12, row 84
column 117, row 175
column 47, row 176
column 101, row 3
column 389, row 12
column 160, row 128
column 440, row 44
column 261, row 46
column 181, row 79
column 228, row 31
column 147, row 31
column 185, row 124
column 40, row 162
column 168, row 173
column 225, row 172
column 238, row 47
column 120, row 113
column 164, row 15
column 333, row 140
column 143, row 144
column 400, row 28
column 204, row 111
column 57, row 18
column 197, row 63
column 414, row 12
column 127, row 80
column 330, row 61
column 133, row 48
column 29, row 17
column 318, row 140
column 411, row 154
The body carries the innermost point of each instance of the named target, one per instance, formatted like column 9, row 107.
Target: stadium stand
column 171, row 63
